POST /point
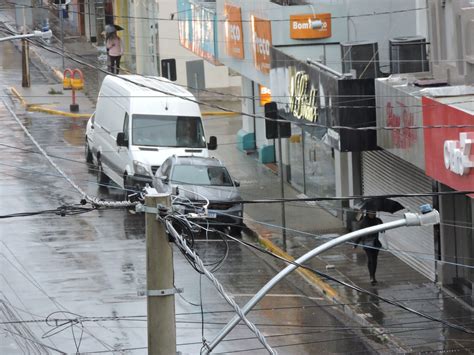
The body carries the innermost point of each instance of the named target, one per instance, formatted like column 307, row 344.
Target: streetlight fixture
column 429, row 217
column 36, row 34
column 25, row 53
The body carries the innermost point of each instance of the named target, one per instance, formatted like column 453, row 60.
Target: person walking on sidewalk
column 114, row 50
column 370, row 243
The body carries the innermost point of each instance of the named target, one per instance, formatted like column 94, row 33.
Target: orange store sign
column 261, row 42
column 233, row 31
column 265, row 95
column 301, row 26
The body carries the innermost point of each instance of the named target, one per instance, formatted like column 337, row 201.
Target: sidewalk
column 390, row 326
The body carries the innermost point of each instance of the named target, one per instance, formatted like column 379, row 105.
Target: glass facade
column 457, row 243
column 312, row 168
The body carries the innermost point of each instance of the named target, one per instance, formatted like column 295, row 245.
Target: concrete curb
column 40, row 108
column 262, row 236
column 215, row 113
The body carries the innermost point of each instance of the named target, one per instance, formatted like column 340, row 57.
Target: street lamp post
column 410, row 219
column 36, row 34
column 25, row 56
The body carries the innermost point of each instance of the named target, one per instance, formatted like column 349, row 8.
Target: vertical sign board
column 233, row 31
column 301, row 26
column 261, row 43
column 449, row 151
column 184, row 23
column 197, row 28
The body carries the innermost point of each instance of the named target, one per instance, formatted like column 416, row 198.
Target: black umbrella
column 380, row 204
column 112, row 28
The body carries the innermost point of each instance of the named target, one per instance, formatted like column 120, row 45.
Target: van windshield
column 167, row 131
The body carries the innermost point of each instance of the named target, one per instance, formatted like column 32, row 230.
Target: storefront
column 450, row 161
column 400, row 168
column 314, row 99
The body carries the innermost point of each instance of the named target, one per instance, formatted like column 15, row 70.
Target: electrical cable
column 191, row 99
column 30, row 278
column 355, row 288
column 390, row 250
column 93, row 200
column 197, row 19
column 286, row 200
column 198, row 263
column 65, row 210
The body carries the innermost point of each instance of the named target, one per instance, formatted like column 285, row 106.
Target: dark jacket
column 370, row 240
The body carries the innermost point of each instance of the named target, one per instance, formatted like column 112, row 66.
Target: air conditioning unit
column 361, row 57
column 408, row 55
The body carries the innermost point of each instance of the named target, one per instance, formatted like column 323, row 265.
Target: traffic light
column 271, row 128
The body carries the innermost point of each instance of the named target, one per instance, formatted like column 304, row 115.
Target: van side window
column 125, row 126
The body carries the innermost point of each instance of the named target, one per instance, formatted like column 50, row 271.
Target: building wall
column 349, row 23
column 452, row 38
column 169, row 47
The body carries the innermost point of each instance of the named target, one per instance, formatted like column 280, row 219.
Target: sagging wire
column 65, row 210
column 198, row 265
column 356, row 288
column 95, row 201
column 353, row 287
column 224, row 109
column 66, row 324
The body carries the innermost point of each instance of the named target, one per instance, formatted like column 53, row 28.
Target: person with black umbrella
column 370, row 243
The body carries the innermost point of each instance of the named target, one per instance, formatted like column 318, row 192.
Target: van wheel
column 235, row 231
column 101, row 177
column 127, row 188
column 88, row 153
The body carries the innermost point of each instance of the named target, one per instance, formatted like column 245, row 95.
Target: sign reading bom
column 310, row 26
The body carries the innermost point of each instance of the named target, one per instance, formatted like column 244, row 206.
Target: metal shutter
column 384, row 173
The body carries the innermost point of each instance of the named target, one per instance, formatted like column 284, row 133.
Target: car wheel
column 235, row 231
column 127, row 188
column 88, row 153
column 101, row 177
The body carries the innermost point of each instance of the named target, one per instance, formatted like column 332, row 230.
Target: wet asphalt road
column 54, row 269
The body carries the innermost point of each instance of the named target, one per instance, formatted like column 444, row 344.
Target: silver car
column 198, row 179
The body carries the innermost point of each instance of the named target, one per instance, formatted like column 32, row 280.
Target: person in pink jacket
column 115, row 50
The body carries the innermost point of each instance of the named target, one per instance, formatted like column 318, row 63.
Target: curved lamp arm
column 409, row 220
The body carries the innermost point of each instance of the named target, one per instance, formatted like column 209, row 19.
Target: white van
column 138, row 123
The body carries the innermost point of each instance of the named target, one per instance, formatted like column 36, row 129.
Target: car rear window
column 201, row 175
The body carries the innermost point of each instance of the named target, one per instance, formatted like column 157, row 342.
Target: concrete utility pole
column 61, row 25
column 160, row 279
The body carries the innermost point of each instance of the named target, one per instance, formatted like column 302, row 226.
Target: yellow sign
column 303, row 104
column 265, row 95
column 310, row 26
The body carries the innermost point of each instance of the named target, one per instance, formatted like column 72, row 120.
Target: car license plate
column 211, row 215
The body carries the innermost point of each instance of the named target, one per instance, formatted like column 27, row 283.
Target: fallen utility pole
column 159, row 279
column 411, row 219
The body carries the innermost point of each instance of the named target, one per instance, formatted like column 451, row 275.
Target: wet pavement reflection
column 86, row 270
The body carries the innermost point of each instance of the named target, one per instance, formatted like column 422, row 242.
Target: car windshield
column 201, row 175
column 167, row 131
